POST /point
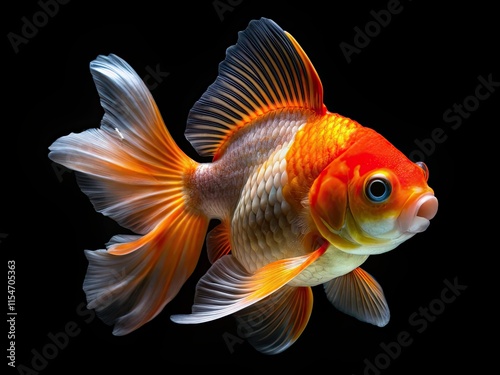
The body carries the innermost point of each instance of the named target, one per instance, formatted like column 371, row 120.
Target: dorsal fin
column 264, row 71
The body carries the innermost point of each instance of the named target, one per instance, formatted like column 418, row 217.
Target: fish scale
column 216, row 188
column 261, row 205
column 329, row 136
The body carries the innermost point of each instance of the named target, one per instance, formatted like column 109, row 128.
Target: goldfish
column 301, row 197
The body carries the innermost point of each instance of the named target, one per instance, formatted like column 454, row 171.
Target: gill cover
column 328, row 200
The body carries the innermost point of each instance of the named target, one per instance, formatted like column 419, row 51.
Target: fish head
column 371, row 198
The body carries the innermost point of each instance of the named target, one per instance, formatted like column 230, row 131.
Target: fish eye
column 422, row 165
column 378, row 189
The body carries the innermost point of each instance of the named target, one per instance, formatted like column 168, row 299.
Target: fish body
column 303, row 196
column 265, row 215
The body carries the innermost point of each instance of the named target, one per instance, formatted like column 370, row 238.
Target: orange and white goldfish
column 303, row 196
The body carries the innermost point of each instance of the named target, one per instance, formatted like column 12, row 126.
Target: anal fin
column 274, row 323
column 218, row 243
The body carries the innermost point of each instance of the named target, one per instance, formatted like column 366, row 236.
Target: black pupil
column 377, row 188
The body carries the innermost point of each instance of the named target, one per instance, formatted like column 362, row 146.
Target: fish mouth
column 416, row 217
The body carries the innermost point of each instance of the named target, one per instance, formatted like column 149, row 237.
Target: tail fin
column 132, row 171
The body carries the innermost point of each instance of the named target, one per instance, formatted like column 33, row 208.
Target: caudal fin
column 132, row 171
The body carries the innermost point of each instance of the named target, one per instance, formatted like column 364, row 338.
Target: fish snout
column 416, row 217
column 427, row 206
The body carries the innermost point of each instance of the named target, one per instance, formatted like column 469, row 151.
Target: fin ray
column 227, row 287
column 122, row 166
column 266, row 70
column 358, row 294
column 218, row 242
column 133, row 172
column 274, row 323
column 131, row 282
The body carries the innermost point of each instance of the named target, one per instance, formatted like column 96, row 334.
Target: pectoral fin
column 227, row 287
column 358, row 294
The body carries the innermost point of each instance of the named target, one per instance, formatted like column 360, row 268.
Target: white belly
column 333, row 263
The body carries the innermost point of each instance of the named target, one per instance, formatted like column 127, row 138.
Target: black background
column 426, row 59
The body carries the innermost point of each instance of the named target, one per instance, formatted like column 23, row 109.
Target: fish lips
column 415, row 218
